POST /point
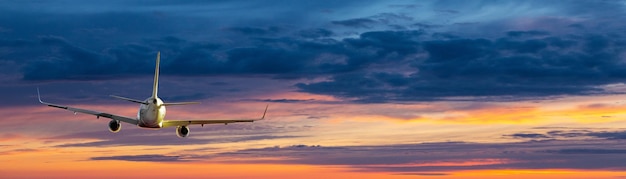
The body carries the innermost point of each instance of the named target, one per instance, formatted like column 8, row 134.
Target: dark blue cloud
column 277, row 56
column 266, row 60
column 461, row 67
column 358, row 22
column 531, row 33
column 69, row 61
column 255, row 31
column 398, row 56
column 386, row 42
column 316, row 33
column 526, row 67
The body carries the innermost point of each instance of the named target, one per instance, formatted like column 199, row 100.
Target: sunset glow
column 376, row 89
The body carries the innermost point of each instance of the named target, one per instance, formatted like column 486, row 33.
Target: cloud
column 424, row 174
column 315, row 33
column 529, row 135
column 531, row 33
column 266, row 60
column 589, row 151
column 77, row 62
column 358, row 22
column 19, row 150
column 448, row 156
column 509, row 59
column 533, row 67
column 571, row 134
column 287, row 100
column 188, row 97
column 142, row 158
column 255, row 30
column 276, row 56
column 617, row 135
column 377, row 66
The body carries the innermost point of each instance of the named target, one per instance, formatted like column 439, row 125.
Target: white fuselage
column 152, row 114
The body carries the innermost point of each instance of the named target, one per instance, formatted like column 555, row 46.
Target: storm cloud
column 368, row 64
column 498, row 68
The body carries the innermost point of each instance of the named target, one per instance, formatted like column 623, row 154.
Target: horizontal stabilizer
column 128, row 99
column 180, row 103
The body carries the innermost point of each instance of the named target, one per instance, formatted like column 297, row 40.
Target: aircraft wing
column 171, row 123
column 86, row 111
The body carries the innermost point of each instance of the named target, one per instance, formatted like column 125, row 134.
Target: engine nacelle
column 115, row 126
column 182, row 131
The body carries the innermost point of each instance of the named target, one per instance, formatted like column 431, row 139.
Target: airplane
column 151, row 113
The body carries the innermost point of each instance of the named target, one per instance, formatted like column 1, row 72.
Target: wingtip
column 264, row 112
column 39, row 95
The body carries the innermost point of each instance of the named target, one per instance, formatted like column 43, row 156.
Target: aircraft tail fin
column 155, row 87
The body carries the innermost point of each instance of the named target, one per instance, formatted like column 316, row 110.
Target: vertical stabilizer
column 155, row 87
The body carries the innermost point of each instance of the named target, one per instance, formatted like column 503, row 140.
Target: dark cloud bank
column 377, row 66
column 372, row 65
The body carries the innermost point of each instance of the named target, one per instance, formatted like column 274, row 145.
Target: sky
column 367, row 89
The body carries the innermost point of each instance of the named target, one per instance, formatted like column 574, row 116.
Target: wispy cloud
column 142, row 158
column 572, row 134
column 450, row 156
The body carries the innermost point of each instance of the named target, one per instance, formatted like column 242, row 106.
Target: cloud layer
column 389, row 56
column 426, row 157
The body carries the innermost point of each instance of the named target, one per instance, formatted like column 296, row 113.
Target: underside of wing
column 171, row 123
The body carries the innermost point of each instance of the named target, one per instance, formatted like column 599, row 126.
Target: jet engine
column 182, row 131
column 115, row 126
